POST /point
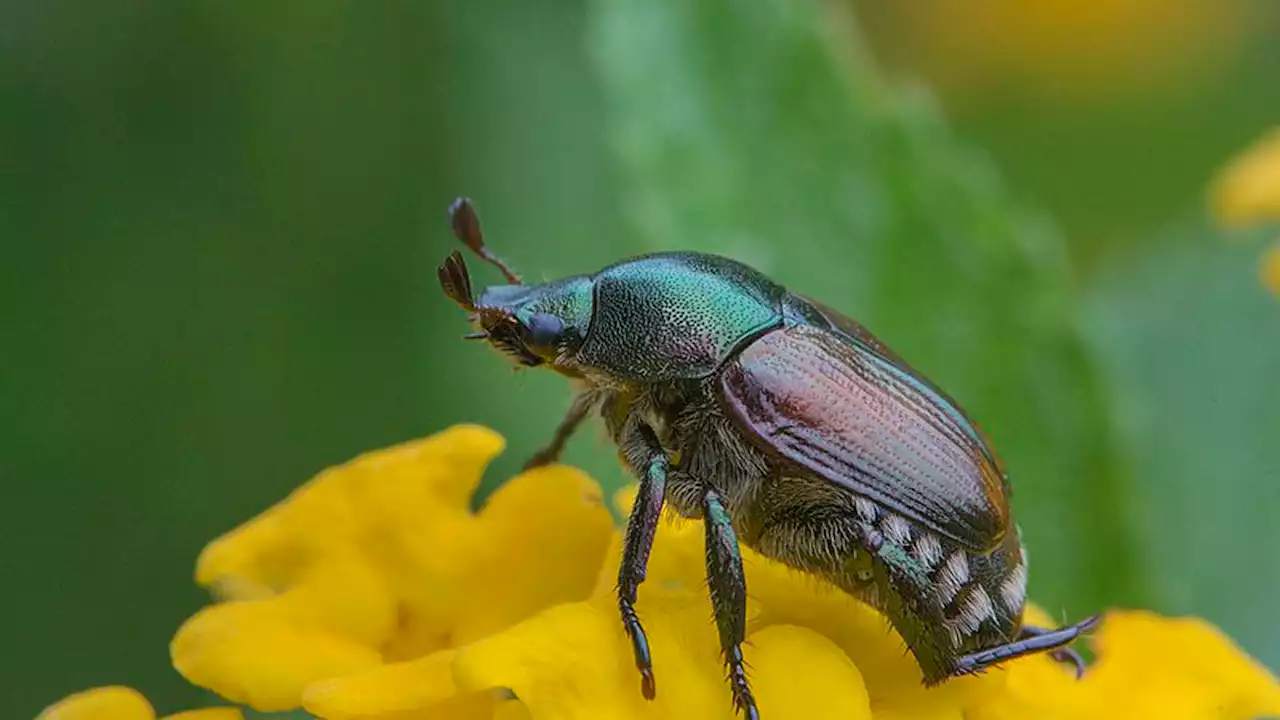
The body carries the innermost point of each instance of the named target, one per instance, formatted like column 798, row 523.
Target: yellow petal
column 464, row 706
column 797, row 673
column 336, row 507
column 572, row 661
column 104, row 703
column 512, row 710
column 384, row 690
column 250, row 655
column 1035, row 687
column 1247, row 192
column 1154, row 667
column 382, row 559
column 207, row 714
column 544, row 535
column 538, row 541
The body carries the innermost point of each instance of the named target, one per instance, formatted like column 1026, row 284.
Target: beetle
column 784, row 426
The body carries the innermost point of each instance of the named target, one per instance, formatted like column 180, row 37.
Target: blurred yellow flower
column 1271, row 269
column 1247, row 191
column 122, row 703
column 1064, row 49
column 374, row 593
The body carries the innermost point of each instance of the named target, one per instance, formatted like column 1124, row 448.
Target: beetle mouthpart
column 456, row 281
column 466, row 227
column 476, row 336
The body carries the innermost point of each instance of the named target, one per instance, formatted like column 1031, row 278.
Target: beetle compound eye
column 545, row 330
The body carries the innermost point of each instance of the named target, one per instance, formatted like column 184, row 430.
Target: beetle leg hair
column 637, row 542
column 582, row 404
column 728, row 597
column 1026, row 645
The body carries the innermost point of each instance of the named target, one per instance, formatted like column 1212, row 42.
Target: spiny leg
column 637, row 542
column 1046, row 640
column 1065, row 655
column 572, row 419
column 728, row 597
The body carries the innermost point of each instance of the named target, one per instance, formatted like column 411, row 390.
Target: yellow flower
column 1064, row 49
column 374, row 593
column 122, row 703
column 1247, row 191
column 817, row 653
column 382, row 560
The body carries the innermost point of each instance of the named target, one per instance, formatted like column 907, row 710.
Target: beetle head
column 534, row 324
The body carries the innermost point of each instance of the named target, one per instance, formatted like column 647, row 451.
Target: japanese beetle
column 785, row 426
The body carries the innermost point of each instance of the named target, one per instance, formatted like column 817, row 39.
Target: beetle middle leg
column 728, row 588
column 573, row 418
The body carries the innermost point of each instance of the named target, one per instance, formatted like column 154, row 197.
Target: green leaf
column 756, row 131
column 1191, row 343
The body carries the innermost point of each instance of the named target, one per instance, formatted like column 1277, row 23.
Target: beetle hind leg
column 728, row 588
column 1031, row 641
column 1065, row 654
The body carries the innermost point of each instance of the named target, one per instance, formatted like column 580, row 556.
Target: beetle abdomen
column 944, row 600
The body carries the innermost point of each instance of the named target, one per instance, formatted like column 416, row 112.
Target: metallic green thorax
column 676, row 316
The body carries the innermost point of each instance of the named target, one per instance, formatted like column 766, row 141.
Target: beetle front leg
column 572, row 419
column 637, row 542
column 728, row 588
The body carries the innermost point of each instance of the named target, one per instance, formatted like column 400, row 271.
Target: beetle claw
column 1068, row 656
column 648, row 686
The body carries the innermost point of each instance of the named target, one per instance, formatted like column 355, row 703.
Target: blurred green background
column 221, row 223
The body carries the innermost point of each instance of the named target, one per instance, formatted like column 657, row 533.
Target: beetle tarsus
column 1065, row 655
column 743, row 701
column 639, row 647
column 1030, row 640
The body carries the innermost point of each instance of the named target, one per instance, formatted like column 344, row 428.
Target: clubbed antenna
column 466, row 225
column 456, row 281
